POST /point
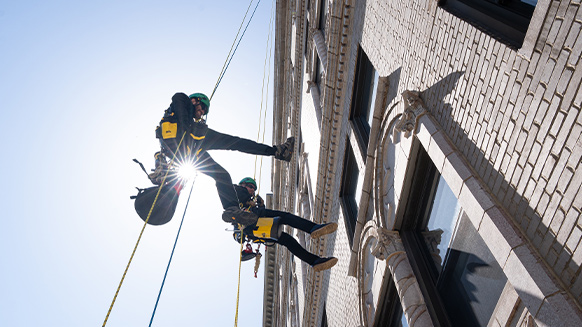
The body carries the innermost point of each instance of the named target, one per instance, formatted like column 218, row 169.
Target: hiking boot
column 285, row 151
column 239, row 216
column 322, row 229
column 324, row 263
column 161, row 167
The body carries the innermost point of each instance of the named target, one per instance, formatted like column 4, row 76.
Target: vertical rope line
column 140, row 235
column 239, row 269
column 238, row 43
column 268, row 53
column 173, row 248
column 230, row 51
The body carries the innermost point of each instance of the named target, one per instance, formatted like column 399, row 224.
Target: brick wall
column 515, row 115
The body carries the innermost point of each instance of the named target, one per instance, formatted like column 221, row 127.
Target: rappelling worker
column 183, row 124
column 265, row 227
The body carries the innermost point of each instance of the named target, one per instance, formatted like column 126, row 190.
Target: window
column 389, row 311
column 324, row 316
column 457, row 273
column 506, row 20
column 363, row 99
column 322, row 15
column 350, row 191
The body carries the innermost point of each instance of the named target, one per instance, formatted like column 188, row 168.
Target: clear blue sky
column 82, row 86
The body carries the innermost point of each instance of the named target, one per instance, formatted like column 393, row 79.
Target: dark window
column 363, row 98
column 389, row 309
column 349, row 191
column 506, row 20
column 457, row 273
column 324, row 316
column 322, row 15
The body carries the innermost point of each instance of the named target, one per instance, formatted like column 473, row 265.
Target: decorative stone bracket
column 387, row 245
column 413, row 108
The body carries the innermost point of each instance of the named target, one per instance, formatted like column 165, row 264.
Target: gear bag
column 266, row 229
column 165, row 206
column 171, row 129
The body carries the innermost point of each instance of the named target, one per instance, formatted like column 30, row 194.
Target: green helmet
column 203, row 98
column 248, row 180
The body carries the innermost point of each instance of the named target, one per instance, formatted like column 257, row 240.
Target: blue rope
column 172, row 255
column 243, row 34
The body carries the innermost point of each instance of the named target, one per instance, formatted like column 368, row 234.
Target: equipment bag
column 266, row 229
column 164, row 207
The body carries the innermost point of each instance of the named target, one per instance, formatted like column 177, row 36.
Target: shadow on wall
column 524, row 215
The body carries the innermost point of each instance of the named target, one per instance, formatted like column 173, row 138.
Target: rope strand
column 173, row 248
column 230, row 51
column 243, row 34
column 140, row 235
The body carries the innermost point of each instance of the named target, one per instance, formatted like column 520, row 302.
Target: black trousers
column 287, row 240
column 206, row 165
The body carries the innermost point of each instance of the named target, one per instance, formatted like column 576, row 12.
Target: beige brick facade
column 501, row 124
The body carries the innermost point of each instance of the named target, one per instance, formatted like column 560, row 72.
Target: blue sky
column 82, row 86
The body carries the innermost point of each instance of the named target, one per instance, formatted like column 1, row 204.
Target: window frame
column 362, row 105
column 506, row 20
column 347, row 194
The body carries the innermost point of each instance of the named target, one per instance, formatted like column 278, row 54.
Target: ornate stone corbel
column 432, row 239
column 413, row 108
column 383, row 244
column 389, row 243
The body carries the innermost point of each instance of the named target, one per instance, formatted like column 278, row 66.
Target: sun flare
column 186, row 171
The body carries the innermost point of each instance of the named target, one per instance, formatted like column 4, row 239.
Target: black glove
column 260, row 201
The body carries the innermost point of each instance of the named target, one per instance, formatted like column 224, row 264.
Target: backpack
column 165, row 206
column 171, row 129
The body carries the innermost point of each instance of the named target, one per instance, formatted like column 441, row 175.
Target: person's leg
column 209, row 167
column 286, row 218
column 219, row 141
column 294, row 247
column 315, row 230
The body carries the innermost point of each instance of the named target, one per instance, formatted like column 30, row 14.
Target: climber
column 267, row 227
column 185, row 117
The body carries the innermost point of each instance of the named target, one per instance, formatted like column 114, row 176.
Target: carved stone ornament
column 380, row 244
column 389, row 243
column 366, row 273
column 413, row 108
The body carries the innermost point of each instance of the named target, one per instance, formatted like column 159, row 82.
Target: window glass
column 349, row 191
column 472, row 281
column 443, row 216
column 363, row 98
column 506, row 20
column 459, row 277
column 372, row 101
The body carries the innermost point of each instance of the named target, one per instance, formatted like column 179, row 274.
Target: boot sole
column 324, row 230
column 325, row 265
column 241, row 217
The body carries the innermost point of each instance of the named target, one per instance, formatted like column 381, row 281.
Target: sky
column 82, row 87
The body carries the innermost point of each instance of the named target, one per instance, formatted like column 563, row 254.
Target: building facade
column 444, row 138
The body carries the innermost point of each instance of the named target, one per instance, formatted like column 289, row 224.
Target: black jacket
column 245, row 198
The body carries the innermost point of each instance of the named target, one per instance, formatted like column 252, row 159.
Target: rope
column 140, row 235
column 268, row 52
column 230, row 51
column 240, row 227
column 229, row 59
column 172, row 254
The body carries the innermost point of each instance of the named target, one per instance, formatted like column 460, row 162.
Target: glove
column 260, row 201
